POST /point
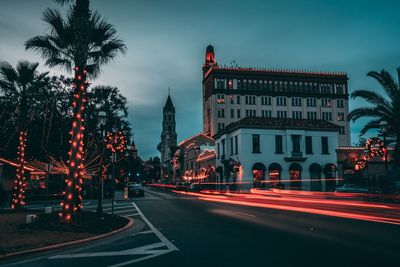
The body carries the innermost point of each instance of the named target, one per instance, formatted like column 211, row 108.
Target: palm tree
column 383, row 108
column 20, row 85
column 82, row 41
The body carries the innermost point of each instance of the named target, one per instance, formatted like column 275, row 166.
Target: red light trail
column 320, row 203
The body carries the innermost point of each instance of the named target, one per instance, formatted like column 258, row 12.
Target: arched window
column 315, row 176
column 258, row 175
column 295, row 176
column 274, row 174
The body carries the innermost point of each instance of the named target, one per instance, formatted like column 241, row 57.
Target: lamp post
column 101, row 123
column 383, row 125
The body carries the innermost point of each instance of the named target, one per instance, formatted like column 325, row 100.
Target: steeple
column 169, row 106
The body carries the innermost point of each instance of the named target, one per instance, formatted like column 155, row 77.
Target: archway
column 274, row 174
column 315, row 175
column 295, row 176
column 258, row 175
column 330, row 171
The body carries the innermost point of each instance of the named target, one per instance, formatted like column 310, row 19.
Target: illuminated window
column 340, row 116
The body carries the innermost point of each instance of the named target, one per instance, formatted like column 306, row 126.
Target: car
column 180, row 186
column 135, row 190
column 194, row 187
column 351, row 188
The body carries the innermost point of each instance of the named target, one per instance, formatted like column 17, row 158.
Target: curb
column 66, row 245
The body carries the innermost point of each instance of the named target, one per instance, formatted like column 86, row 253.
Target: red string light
column 116, row 142
column 376, row 147
column 20, row 180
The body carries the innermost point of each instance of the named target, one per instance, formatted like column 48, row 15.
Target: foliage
column 382, row 108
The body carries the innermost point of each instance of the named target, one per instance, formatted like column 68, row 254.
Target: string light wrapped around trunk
column 72, row 196
column 116, row 141
column 18, row 199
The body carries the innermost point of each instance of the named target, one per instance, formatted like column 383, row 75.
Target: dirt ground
column 14, row 238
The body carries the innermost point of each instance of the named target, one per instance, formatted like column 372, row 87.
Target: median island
column 46, row 231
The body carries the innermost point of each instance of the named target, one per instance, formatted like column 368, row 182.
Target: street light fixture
column 383, row 125
column 101, row 123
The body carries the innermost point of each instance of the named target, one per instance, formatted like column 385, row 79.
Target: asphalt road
column 180, row 230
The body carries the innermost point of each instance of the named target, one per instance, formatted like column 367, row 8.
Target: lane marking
column 140, row 259
column 133, row 251
column 143, row 232
column 168, row 243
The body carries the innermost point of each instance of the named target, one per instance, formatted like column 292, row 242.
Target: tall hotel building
column 233, row 93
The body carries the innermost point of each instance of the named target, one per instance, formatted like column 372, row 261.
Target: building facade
column 233, row 93
column 198, row 158
column 168, row 143
column 295, row 154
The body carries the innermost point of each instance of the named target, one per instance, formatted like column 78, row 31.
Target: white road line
column 156, row 232
column 140, row 259
column 143, row 232
column 133, row 251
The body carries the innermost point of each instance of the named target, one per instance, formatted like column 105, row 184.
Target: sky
column 166, row 43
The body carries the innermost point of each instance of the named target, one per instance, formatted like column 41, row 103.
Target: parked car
column 135, row 190
column 351, row 188
column 180, row 186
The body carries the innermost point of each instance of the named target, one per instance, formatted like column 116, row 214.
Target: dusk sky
column 166, row 43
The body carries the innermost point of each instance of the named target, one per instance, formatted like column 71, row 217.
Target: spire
column 168, row 105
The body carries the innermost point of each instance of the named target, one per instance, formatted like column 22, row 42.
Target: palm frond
column 372, row 124
column 387, row 82
column 372, row 112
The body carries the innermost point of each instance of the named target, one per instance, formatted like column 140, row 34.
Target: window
column 232, row 98
column 238, row 114
column 296, row 101
column 239, row 84
column 232, row 113
column 220, row 84
column 281, row 101
column 250, row 100
column 250, row 112
column 342, row 130
column 221, row 126
column 223, row 148
column 266, row 100
column 326, row 102
column 311, row 115
column 266, row 113
column 309, row 149
column 278, row 144
column 297, row 114
column 311, row 102
column 231, row 150
column 340, row 103
column 340, row 116
column 238, row 99
column 221, row 113
column 281, row 114
column 256, row 143
column 326, row 89
column 218, row 152
column 327, row 116
column 230, row 84
column 236, row 144
column 324, row 145
column 296, row 143
column 339, row 89
column 220, row 99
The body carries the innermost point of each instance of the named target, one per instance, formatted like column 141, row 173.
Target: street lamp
column 383, row 125
column 101, row 123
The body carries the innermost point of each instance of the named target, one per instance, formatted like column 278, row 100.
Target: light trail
column 305, row 202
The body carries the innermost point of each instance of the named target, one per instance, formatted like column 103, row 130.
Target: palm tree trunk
column 73, row 198
column 20, row 182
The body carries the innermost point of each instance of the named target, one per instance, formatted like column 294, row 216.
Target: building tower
column 133, row 150
column 209, row 60
column 168, row 135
